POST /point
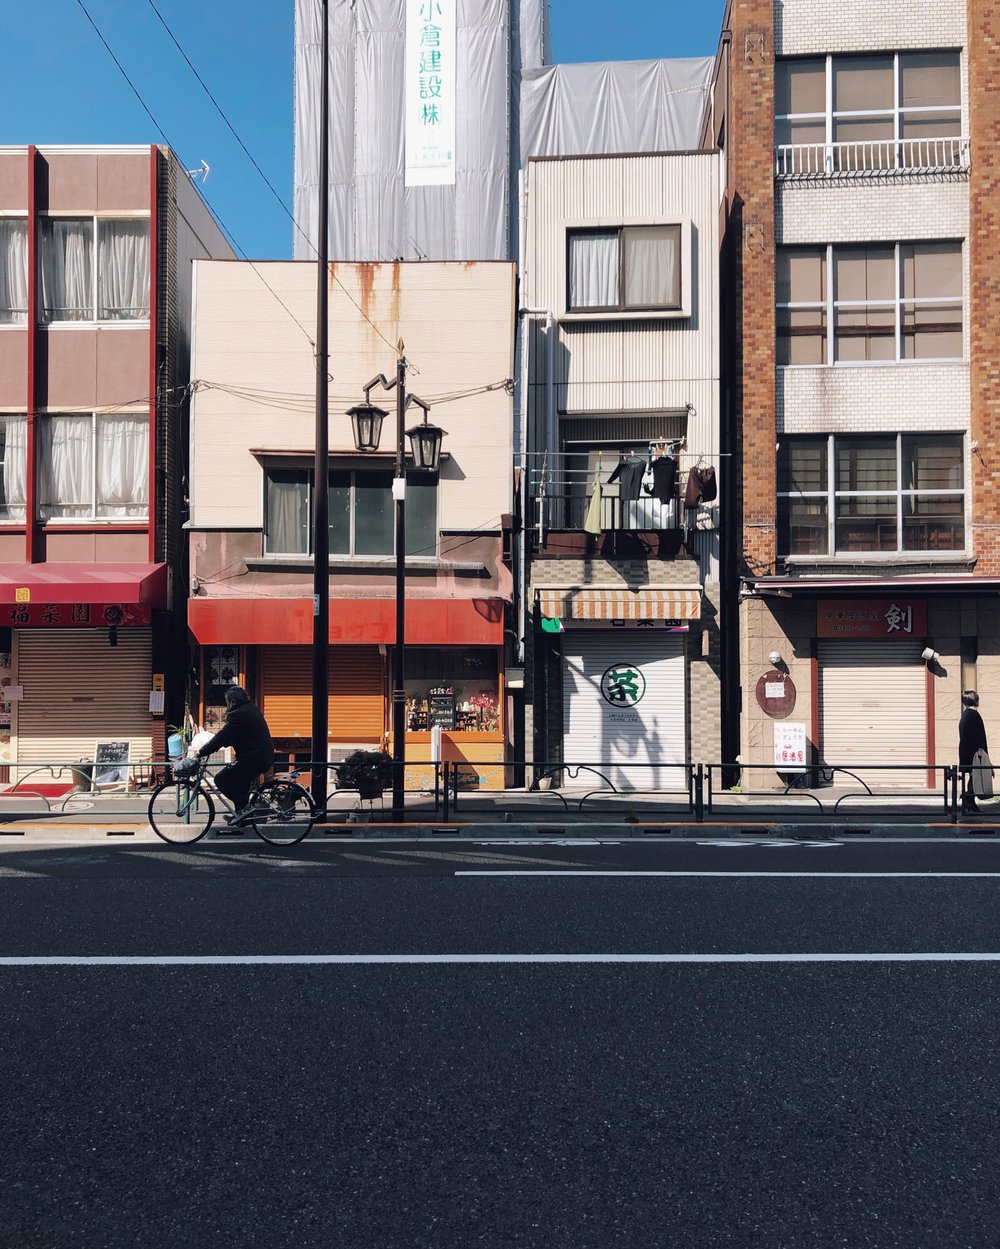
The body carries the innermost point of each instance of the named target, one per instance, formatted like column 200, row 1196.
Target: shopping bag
column 982, row 775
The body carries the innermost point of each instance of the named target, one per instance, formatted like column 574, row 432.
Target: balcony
column 879, row 158
column 558, row 507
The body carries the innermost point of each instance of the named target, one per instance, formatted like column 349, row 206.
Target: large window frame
column 347, row 501
column 892, row 136
column 119, row 471
column 902, row 320
column 834, row 489
column 624, row 240
column 13, row 467
column 99, row 308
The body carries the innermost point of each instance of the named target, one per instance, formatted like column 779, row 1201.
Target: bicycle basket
column 184, row 768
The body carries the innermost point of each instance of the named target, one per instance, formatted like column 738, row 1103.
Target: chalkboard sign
column 441, row 709
column 111, row 763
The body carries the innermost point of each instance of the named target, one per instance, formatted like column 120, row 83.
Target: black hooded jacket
column 246, row 731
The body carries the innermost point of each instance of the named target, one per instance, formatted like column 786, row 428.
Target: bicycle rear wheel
column 290, row 813
column 179, row 813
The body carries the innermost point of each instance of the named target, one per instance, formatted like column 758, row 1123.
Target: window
column 634, row 267
column 13, row 467
column 869, row 113
column 93, row 466
column 886, row 302
column 362, row 520
column 13, row 271
column 81, row 282
column 890, row 493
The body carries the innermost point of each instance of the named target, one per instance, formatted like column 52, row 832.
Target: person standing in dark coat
column 246, row 731
column 971, row 737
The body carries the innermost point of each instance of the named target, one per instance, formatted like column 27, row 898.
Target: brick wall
column 910, row 208
column 874, row 399
column 810, row 26
column 984, row 247
column 752, row 247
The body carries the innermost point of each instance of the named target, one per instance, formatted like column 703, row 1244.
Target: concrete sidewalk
column 518, row 813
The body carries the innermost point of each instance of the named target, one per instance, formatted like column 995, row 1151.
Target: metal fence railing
column 872, row 158
column 641, row 791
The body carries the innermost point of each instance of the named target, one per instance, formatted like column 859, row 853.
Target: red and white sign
column 789, row 746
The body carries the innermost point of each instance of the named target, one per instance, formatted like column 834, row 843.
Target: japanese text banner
column 430, row 97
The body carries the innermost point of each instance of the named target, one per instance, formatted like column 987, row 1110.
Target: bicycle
column 182, row 809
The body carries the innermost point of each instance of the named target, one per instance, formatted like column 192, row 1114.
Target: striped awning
column 647, row 604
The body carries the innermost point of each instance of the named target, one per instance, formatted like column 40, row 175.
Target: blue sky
column 60, row 85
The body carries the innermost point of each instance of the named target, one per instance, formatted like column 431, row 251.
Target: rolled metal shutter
column 873, row 709
column 357, row 695
column 652, row 732
column 78, row 689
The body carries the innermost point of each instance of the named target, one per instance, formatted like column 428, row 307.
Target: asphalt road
column 782, row 1100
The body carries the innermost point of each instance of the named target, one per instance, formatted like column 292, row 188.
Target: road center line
column 284, row 960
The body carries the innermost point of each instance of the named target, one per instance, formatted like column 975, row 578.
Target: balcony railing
column 877, row 158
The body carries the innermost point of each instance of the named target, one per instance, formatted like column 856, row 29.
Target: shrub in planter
column 367, row 771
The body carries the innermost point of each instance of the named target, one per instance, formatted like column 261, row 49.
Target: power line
column 222, row 225
column 284, row 207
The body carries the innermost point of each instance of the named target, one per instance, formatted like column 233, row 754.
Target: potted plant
column 367, row 771
column 178, row 739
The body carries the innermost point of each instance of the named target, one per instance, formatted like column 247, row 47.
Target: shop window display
column 452, row 688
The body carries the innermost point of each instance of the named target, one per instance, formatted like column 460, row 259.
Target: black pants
column 236, row 779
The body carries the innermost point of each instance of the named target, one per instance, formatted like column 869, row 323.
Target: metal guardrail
column 872, row 158
column 576, row 786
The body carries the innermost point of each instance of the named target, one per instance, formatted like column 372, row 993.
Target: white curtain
column 652, row 272
column 14, row 440
column 66, row 461
column 122, row 466
column 123, row 268
column 13, row 272
column 67, row 270
column 287, row 517
column 593, row 281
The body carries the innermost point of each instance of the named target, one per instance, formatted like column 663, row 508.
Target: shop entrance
column 873, row 709
column 624, row 704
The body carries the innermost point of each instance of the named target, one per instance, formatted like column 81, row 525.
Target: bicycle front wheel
column 179, row 813
column 289, row 816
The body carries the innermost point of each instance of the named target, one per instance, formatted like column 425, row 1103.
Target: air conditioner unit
column 337, row 752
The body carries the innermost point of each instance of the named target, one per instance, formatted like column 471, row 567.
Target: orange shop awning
column 353, row 621
column 662, row 603
column 129, row 585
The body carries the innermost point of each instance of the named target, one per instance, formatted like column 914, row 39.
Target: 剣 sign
column 871, row 618
column 430, row 100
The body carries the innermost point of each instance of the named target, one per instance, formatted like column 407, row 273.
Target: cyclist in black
column 246, row 731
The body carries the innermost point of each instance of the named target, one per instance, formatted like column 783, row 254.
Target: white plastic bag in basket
column 199, row 740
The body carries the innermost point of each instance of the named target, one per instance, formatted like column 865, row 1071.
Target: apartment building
column 95, row 250
column 252, row 450
column 860, row 293
column 620, row 470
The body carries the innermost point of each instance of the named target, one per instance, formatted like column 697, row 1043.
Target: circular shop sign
column 776, row 694
column 623, row 685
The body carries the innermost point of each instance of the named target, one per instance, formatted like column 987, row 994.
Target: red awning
column 126, row 584
column 353, row 622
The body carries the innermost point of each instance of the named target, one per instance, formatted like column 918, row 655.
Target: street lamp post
column 425, row 442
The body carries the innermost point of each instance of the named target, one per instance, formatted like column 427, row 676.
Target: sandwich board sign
column 111, row 763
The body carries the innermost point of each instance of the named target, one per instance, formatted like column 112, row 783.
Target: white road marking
column 284, row 960
column 772, row 875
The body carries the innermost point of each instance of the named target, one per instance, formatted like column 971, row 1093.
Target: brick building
column 860, row 284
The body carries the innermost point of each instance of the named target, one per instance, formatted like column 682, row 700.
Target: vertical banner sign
column 430, row 96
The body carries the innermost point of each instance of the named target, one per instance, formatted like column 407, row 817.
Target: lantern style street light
column 425, row 442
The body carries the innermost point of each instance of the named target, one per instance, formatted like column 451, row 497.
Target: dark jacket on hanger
column 629, row 471
column 701, row 487
column 665, row 478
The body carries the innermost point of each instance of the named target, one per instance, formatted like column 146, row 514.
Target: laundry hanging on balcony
column 592, row 521
column 701, row 486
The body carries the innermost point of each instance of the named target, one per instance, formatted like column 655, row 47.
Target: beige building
column 252, row 447
column 620, row 294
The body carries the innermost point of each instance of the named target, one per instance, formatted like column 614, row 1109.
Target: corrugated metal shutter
column 650, row 731
column 873, row 708
column 78, row 689
column 357, row 698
